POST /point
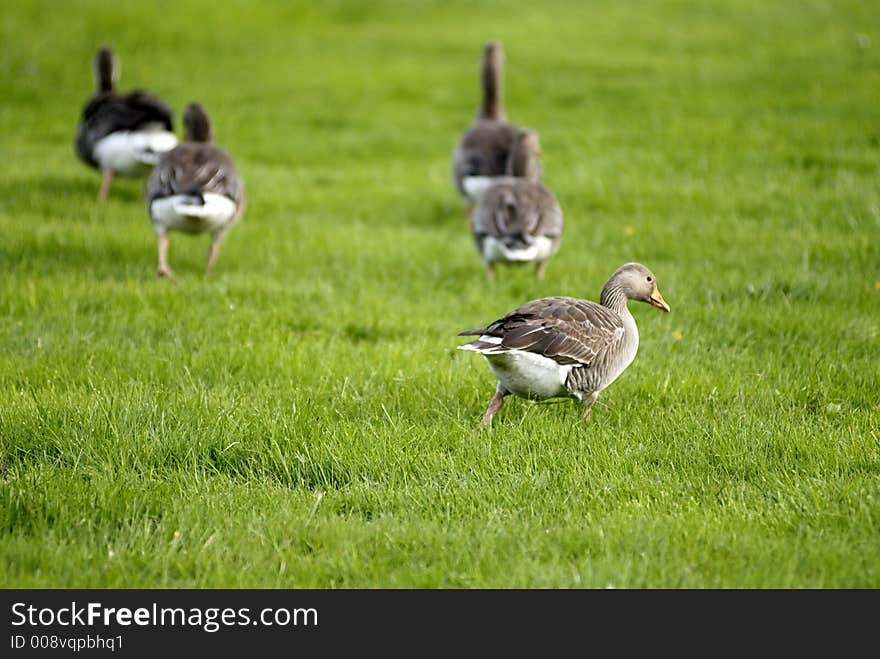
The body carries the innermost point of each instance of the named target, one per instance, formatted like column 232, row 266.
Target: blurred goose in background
column 121, row 133
column 565, row 347
column 484, row 148
column 194, row 188
column 516, row 219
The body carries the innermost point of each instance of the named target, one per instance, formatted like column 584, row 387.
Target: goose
column 121, row 133
column 516, row 218
column 194, row 188
column 484, row 147
column 564, row 347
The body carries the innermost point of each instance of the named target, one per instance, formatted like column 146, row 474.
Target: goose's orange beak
column 657, row 300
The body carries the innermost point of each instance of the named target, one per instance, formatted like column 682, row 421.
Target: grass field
column 302, row 418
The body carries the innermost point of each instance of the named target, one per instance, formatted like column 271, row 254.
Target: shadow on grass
column 435, row 213
column 52, row 257
column 51, row 190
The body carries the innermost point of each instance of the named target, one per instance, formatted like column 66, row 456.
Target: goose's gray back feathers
column 196, row 166
column 568, row 330
column 516, row 211
column 193, row 168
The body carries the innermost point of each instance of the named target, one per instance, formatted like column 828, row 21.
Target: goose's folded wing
column 195, row 168
column 514, row 206
column 549, row 220
column 109, row 112
column 568, row 330
column 483, row 150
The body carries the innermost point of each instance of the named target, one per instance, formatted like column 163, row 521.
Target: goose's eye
column 649, row 279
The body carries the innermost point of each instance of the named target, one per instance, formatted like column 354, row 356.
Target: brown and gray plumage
column 195, row 188
column 566, row 347
column 516, row 219
column 121, row 133
column 484, row 148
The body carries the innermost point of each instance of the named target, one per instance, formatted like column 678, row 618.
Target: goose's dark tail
column 517, row 241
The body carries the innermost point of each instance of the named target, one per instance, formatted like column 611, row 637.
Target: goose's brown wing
column 568, row 330
column 517, row 207
column 195, row 168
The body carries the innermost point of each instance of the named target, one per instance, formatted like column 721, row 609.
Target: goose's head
column 493, row 53
column 638, row 283
column 197, row 124
column 106, row 69
column 525, row 156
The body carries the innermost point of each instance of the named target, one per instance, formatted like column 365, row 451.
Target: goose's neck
column 197, row 127
column 492, row 107
column 522, row 163
column 199, row 134
column 614, row 298
column 105, row 71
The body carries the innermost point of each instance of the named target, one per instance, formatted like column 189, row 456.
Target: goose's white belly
column 184, row 213
column 529, row 375
column 495, row 251
column 133, row 152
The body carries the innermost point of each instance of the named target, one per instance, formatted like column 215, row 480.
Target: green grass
column 302, row 417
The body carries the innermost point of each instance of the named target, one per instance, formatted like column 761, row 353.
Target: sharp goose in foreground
column 484, row 148
column 517, row 220
column 565, row 347
column 121, row 133
column 194, row 188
